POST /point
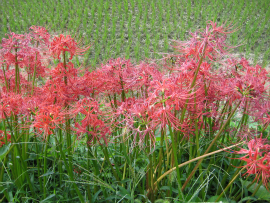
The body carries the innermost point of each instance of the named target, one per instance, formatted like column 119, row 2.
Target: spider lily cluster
column 183, row 98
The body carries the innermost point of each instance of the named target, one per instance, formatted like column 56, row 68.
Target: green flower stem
column 5, row 78
column 160, row 155
column 45, row 166
column 60, row 146
column 194, row 81
column 89, row 194
column 94, row 155
column 22, row 165
column 17, row 74
column 190, row 161
column 228, row 186
column 34, row 75
column 255, row 191
column 68, row 137
column 224, row 179
column 150, row 180
column 106, row 154
column 174, row 147
column 210, row 146
column 38, row 163
column 240, row 194
column 70, row 173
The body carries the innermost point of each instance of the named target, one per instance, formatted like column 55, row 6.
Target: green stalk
column 106, row 154
column 45, row 166
column 60, row 161
column 255, row 191
column 22, row 166
column 17, row 74
column 70, row 173
column 194, row 81
column 176, row 164
column 160, row 156
column 38, row 164
column 150, row 171
column 89, row 194
column 34, row 76
column 239, row 196
column 190, row 161
column 229, row 184
column 5, row 78
column 210, row 146
column 69, row 146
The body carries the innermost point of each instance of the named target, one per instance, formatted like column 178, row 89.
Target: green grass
column 118, row 28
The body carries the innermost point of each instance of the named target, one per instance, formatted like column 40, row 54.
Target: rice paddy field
column 139, row 29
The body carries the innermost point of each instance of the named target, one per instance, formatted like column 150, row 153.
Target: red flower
column 2, row 138
column 66, row 43
column 211, row 41
column 40, row 34
column 47, row 119
column 257, row 160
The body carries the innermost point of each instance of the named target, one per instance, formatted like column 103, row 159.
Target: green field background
column 139, row 29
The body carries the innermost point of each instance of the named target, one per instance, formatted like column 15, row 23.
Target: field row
column 137, row 29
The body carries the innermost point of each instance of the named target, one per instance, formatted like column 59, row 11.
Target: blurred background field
column 139, row 29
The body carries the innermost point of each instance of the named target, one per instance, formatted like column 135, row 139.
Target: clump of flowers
column 183, row 100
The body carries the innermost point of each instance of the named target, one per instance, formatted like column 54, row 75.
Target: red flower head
column 2, row 138
column 209, row 42
column 40, row 34
column 66, row 43
column 257, row 160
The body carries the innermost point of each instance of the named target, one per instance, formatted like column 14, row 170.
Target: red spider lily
column 116, row 73
column 14, row 41
column 2, row 138
column 136, row 117
column 257, row 160
column 211, row 41
column 258, row 166
column 253, row 145
column 60, row 71
column 40, row 35
column 11, row 104
column 97, row 131
column 88, row 108
column 142, row 75
column 33, row 61
column 47, row 119
column 91, row 124
column 77, row 170
column 66, row 44
column 57, row 89
column 90, row 83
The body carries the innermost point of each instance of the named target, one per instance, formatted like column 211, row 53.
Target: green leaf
column 194, row 199
column 262, row 192
column 47, row 174
column 223, row 200
column 125, row 193
column 3, row 151
column 49, row 197
column 168, row 188
column 162, row 201
column 96, row 195
column 247, row 198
